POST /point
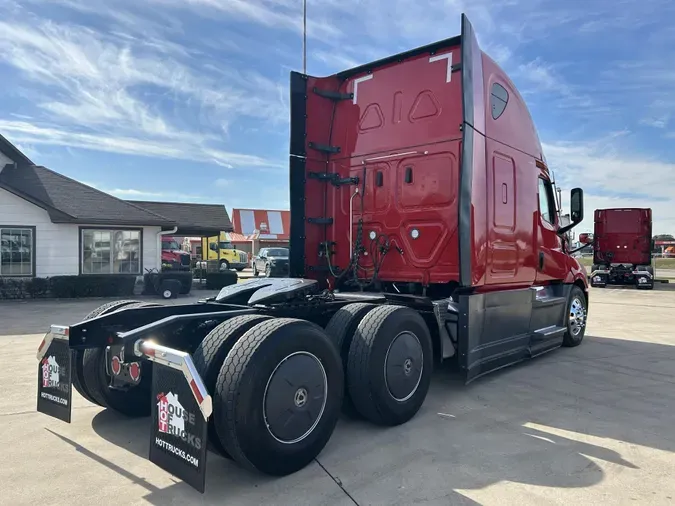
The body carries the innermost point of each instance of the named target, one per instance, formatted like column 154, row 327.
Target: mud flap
column 599, row 279
column 178, row 436
column 54, row 392
column 643, row 280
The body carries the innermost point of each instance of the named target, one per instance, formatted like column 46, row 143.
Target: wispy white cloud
column 104, row 93
column 656, row 122
column 614, row 175
column 141, row 79
column 23, row 132
column 141, row 194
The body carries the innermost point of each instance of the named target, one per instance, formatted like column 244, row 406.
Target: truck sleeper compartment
column 397, row 132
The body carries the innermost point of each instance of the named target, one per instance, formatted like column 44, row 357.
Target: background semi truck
column 173, row 255
column 424, row 229
column 622, row 248
column 222, row 250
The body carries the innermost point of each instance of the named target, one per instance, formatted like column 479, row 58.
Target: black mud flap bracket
column 181, row 407
column 54, row 374
column 446, row 315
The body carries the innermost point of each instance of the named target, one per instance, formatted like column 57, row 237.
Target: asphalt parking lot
column 593, row 424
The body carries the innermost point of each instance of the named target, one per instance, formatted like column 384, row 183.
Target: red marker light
column 196, row 391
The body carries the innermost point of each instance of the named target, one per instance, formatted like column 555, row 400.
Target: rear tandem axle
column 244, row 377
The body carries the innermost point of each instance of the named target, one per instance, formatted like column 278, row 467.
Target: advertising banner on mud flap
column 54, row 381
column 179, row 430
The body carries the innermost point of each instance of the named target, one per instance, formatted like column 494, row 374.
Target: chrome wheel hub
column 403, row 366
column 300, row 397
column 577, row 316
column 295, row 397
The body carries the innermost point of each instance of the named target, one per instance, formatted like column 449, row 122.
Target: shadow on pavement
column 532, row 423
column 36, row 315
column 658, row 287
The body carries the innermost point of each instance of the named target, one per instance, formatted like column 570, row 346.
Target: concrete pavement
column 593, row 424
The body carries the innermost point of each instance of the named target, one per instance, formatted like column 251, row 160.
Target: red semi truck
column 173, row 255
column 424, row 229
column 622, row 248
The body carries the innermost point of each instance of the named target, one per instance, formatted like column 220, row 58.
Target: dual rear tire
column 95, row 378
column 277, row 387
column 278, row 384
column 387, row 355
column 91, row 380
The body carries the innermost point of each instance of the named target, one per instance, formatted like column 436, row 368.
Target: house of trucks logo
column 172, row 418
column 50, row 372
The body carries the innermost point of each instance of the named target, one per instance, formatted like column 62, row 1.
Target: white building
column 52, row 225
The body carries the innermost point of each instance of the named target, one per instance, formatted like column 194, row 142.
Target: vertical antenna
column 304, row 37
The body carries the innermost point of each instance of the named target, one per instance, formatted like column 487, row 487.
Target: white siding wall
column 57, row 245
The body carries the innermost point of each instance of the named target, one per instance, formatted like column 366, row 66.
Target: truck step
column 546, row 339
column 333, row 95
column 550, row 332
column 320, row 221
column 549, row 300
column 325, row 148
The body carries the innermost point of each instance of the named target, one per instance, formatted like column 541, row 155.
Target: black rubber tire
column 169, row 289
column 366, row 364
column 78, row 355
column 210, row 354
column 255, row 271
column 132, row 403
column 225, row 263
column 341, row 329
column 241, row 387
column 569, row 340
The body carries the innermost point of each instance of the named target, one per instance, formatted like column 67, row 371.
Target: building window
column 16, row 257
column 546, row 201
column 107, row 251
column 499, row 97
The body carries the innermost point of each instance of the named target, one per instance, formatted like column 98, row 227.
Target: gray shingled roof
column 69, row 201
column 12, row 152
column 192, row 219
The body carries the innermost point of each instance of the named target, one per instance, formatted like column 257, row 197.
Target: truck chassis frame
column 641, row 276
column 187, row 365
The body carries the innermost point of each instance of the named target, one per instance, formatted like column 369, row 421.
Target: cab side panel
column 511, row 192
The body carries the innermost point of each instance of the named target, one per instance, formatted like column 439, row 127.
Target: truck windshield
column 277, row 252
column 170, row 245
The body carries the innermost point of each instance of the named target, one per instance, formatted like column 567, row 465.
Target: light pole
column 304, row 37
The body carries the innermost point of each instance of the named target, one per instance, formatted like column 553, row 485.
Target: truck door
column 551, row 261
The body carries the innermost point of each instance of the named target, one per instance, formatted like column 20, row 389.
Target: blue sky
column 187, row 100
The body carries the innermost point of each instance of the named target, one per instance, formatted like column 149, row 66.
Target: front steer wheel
column 390, row 364
column 575, row 318
column 278, row 396
column 133, row 402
